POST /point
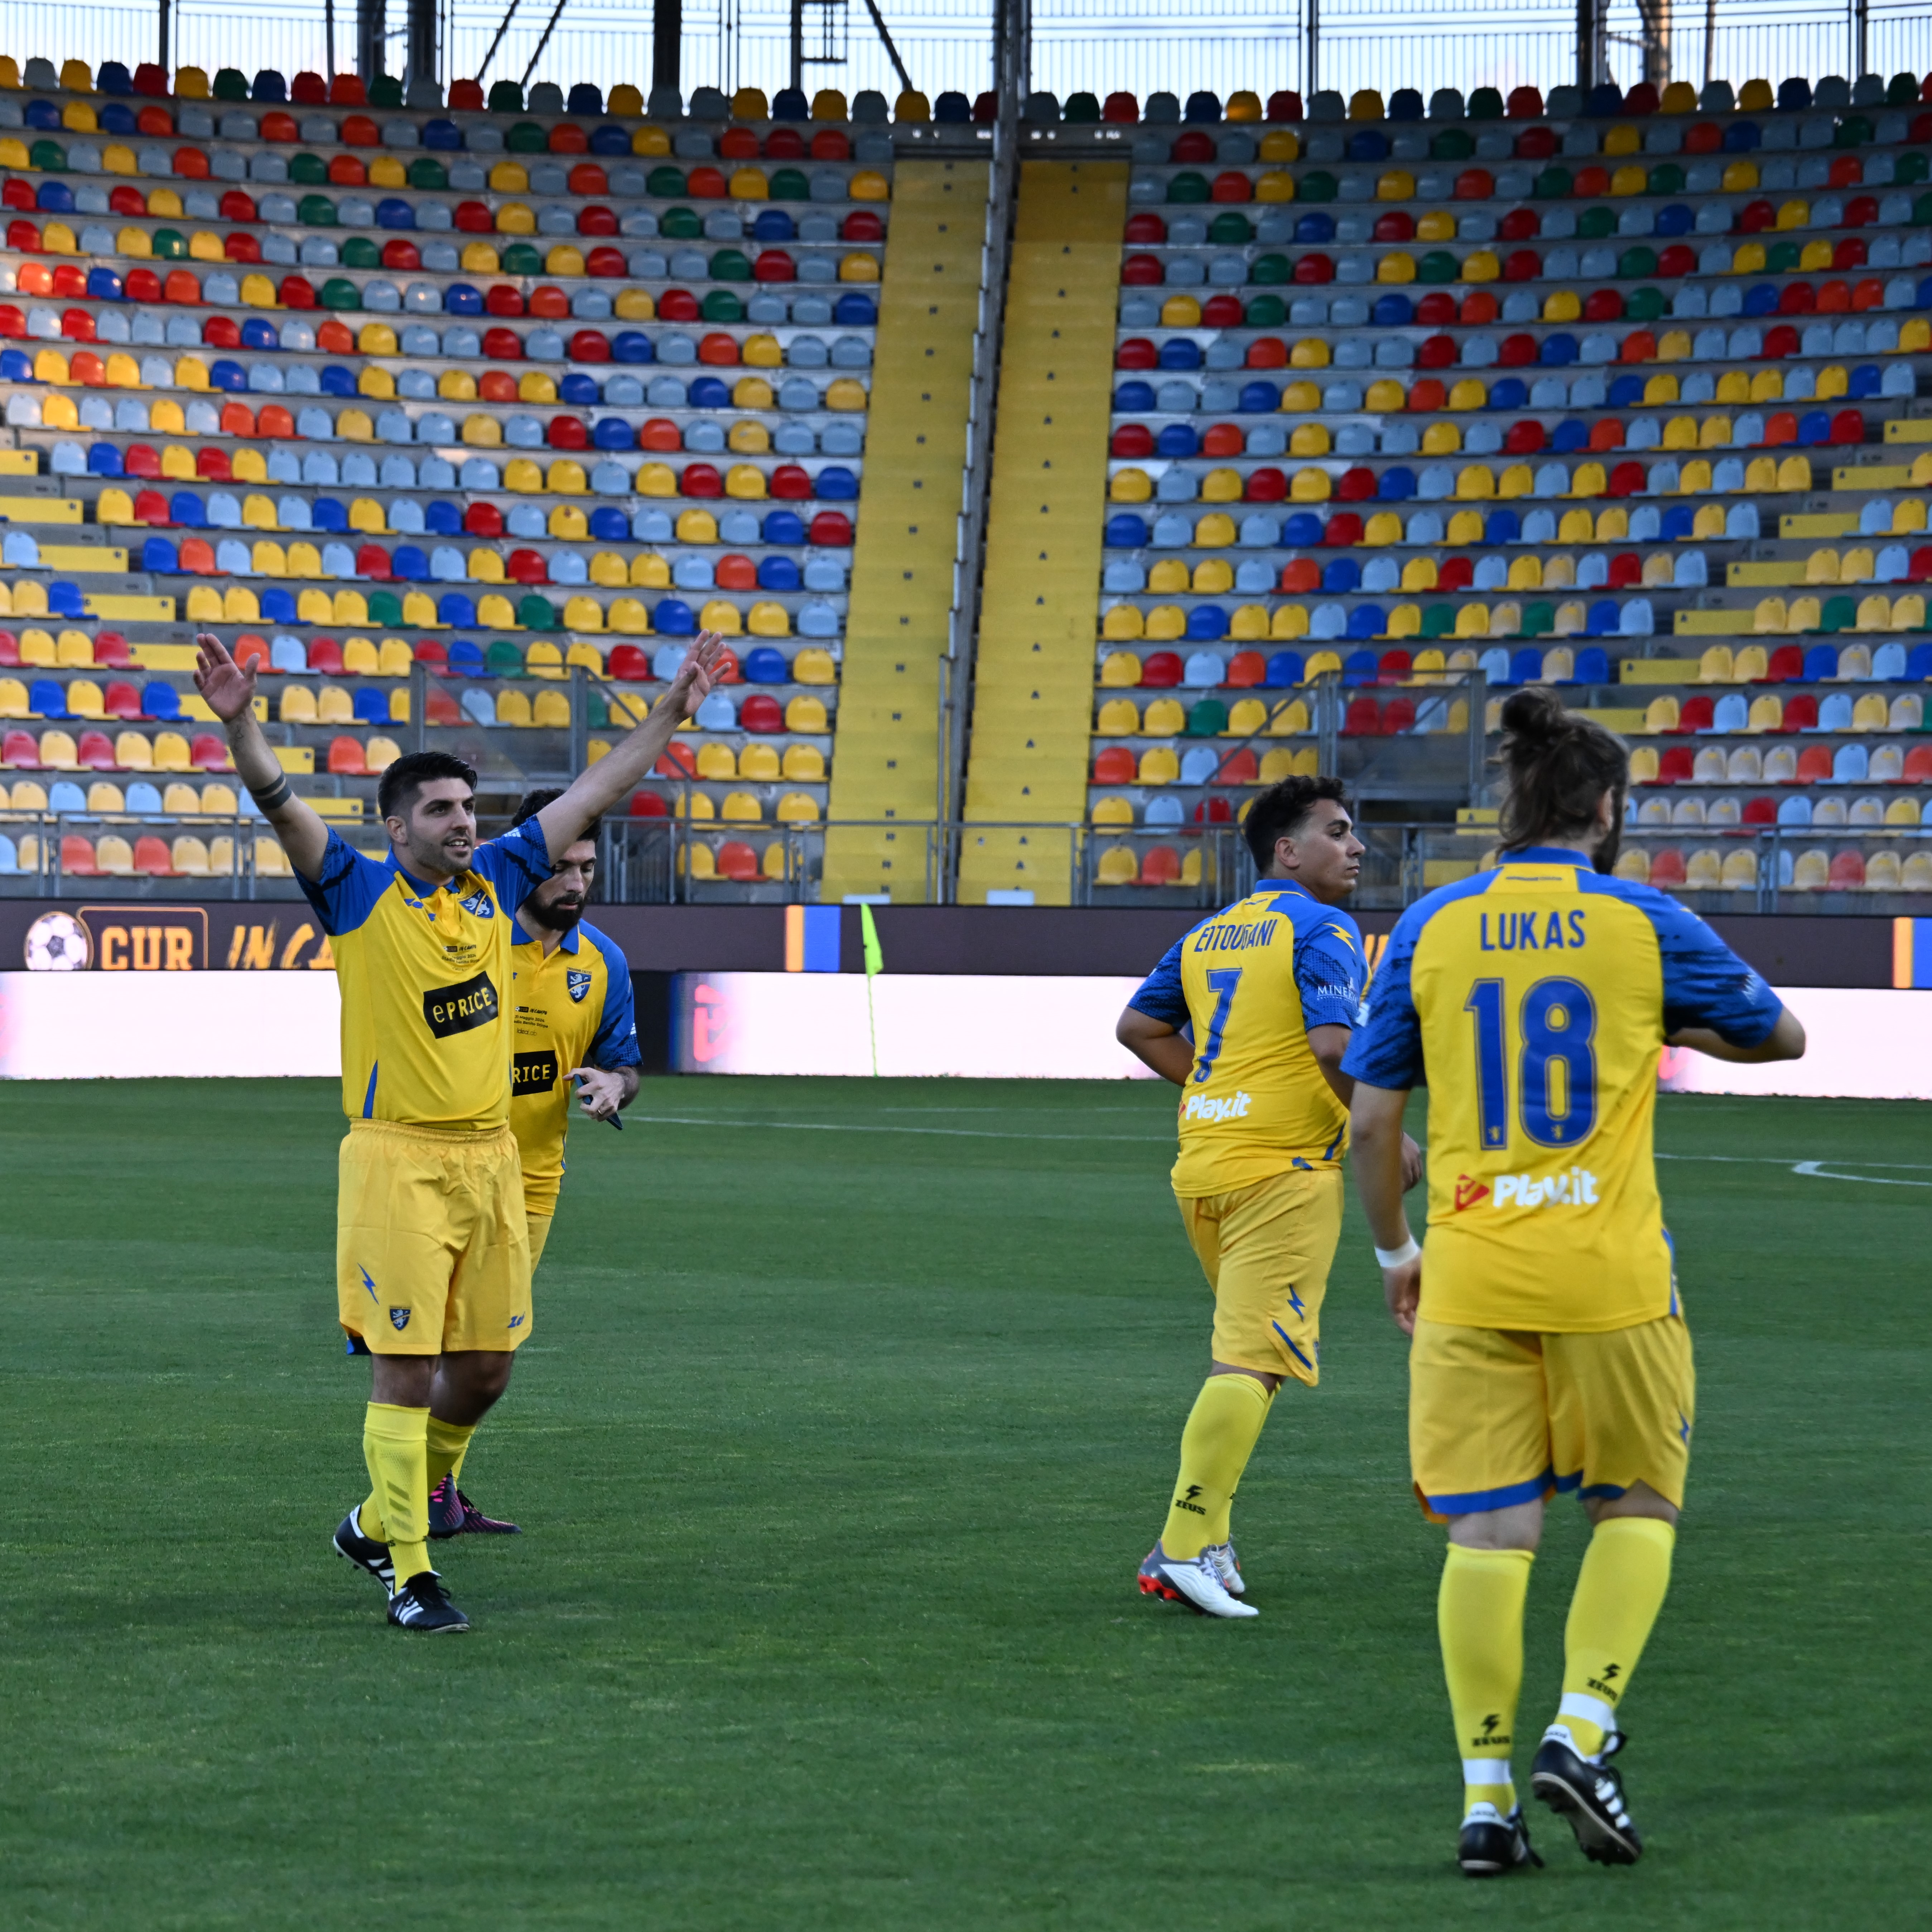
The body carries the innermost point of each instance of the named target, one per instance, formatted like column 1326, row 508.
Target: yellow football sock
column 369, row 1517
column 448, row 1444
column 1619, row 1590
column 1479, row 1616
column 395, row 1446
column 1221, row 1433
column 1220, row 1521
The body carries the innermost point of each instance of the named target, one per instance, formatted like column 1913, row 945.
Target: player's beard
column 560, row 917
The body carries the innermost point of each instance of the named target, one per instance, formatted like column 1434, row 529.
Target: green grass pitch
column 836, row 1451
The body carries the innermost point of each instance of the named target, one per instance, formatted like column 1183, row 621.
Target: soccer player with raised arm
column 1271, row 987
column 1550, row 1350
column 573, row 1031
column 432, row 1255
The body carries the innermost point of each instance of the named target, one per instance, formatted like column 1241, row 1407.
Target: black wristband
column 272, row 798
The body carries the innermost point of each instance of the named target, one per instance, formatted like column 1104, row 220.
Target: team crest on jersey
column 399, row 1318
column 479, row 902
column 579, row 983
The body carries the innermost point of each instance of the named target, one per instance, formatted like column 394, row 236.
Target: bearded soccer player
column 433, row 1257
column 1271, row 987
column 574, row 1031
column 1549, row 1352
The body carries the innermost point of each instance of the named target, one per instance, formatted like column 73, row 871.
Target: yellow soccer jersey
column 571, row 1009
column 1252, row 980
column 1534, row 999
column 423, row 974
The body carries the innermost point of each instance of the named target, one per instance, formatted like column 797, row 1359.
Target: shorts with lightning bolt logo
column 432, row 1249
column 1266, row 1250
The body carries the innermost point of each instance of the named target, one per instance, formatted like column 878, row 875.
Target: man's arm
column 1158, row 1044
column 1377, row 1138
column 1786, row 1041
column 229, row 690
column 617, row 775
column 604, row 1091
column 1328, row 1044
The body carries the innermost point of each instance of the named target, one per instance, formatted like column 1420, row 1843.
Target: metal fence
column 1094, row 45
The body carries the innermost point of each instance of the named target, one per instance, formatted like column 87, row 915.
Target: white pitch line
column 854, row 1127
column 1807, row 1167
column 1816, row 1170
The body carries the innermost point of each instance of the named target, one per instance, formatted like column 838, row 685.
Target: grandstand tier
column 1319, row 426
column 435, row 411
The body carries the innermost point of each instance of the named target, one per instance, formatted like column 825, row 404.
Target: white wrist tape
column 1389, row 1258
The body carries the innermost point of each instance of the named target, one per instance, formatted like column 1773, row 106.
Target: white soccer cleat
column 1227, row 1567
column 1196, row 1582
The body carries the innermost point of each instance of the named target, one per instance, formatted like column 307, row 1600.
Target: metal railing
column 1076, row 45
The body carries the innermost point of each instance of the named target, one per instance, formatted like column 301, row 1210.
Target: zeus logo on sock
column 1574, row 1187
column 1234, row 1107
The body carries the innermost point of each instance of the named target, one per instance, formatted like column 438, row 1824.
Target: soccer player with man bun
column 1550, row 1350
column 574, row 1031
column 1270, row 986
column 433, row 1255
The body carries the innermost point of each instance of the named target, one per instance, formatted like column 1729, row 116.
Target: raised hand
column 228, row 687
column 695, row 676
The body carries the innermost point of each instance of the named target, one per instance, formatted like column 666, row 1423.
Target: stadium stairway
column 1034, row 673
column 886, row 751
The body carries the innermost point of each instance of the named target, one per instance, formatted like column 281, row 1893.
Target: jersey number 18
column 1556, row 1070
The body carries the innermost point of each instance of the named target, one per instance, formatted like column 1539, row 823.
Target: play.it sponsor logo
column 1574, row 1187
column 1230, row 1107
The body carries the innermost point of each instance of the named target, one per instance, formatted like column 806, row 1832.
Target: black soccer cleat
column 1590, row 1796
column 364, row 1552
column 423, row 1604
column 1491, row 1844
column 452, row 1514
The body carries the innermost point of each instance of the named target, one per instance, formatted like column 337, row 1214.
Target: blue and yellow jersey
column 424, row 976
column 572, row 1009
column 1533, row 1000
column 1252, row 980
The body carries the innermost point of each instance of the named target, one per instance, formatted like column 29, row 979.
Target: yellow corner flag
column 875, row 964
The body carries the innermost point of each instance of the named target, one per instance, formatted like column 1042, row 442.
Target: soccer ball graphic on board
column 57, row 942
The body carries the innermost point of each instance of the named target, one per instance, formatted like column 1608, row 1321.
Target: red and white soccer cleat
column 1197, row 1583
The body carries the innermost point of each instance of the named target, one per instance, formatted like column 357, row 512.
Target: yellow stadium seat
column 797, row 808
column 512, row 708
column 805, row 715
column 803, row 764
column 1120, row 718
column 814, row 666
column 1159, row 766
column 1165, row 717
column 1118, row 866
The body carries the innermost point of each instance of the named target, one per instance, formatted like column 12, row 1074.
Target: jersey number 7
column 1222, row 985
column 1556, row 1070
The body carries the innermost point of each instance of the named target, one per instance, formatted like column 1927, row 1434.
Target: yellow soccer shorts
column 539, row 1229
column 1266, row 1250
column 1497, row 1417
column 432, row 1247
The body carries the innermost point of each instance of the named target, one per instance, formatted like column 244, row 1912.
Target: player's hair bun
column 1536, row 717
column 1559, row 764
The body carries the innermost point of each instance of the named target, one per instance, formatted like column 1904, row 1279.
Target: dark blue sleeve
column 1160, row 997
column 1705, row 984
column 1328, row 970
column 1386, row 1049
column 347, row 888
column 616, row 1044
column 515, row 864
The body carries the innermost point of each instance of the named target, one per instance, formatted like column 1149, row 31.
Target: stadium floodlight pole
column 545, row 42
column 166, row 21
column 1312, row 28
column 371, row 31
column 502, row 27
column 892, row 52
column 1710, row 37
column 328, row 35
column 798, row 43
column 424, row 62
column 667, row 41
